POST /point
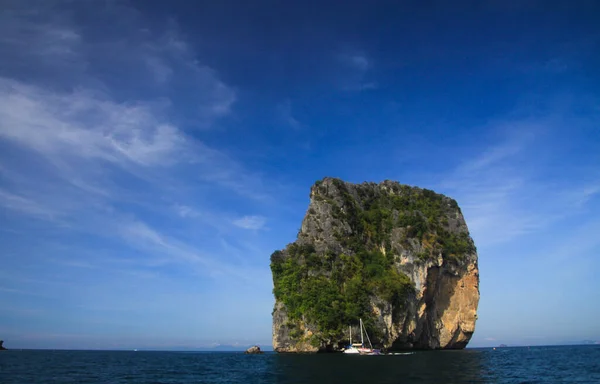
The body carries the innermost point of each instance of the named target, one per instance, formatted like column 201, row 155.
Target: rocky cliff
column 398, row 257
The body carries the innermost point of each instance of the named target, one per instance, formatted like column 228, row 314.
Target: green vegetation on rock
column 332, row 290
column 421, row 212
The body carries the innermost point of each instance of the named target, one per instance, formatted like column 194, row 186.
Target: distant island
column 2, row 345
column 398, row 257
column 254, row 350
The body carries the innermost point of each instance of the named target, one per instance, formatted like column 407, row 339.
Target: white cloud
column 285, row 113
column 24, row 205
column 221, row 101
column 78, row 125
column 492, row 156
column 354, row 72
column 589, row 192
column 172, row 62
column 34, row 33
column 360, row 62
column 105, row 181
column 85, row 124
column 107, row 160
column 499, row 187
column 167, row 249
column 139, row 232
column 47, row 39
column 250, row 222
column 161, row 71
column 186, row 211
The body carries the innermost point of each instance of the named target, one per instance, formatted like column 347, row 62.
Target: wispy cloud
column 81, row 126
column 513, row 142
column 24, row 205
column 186, row 211
column 358, row 61
column 31, row 36
column 107, row 161
column 589, row 192
column 48, row 40
column 10, row 290
column 172, row 250
column 499, row 187
column 287, row 117
column 85, row 124
column 364, row 86
column 172, row 62
column 250, row 222
column 355, row 70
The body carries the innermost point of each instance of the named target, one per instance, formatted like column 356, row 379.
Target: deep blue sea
column 564, row 364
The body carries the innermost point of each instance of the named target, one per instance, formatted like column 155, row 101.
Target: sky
column 154, row 154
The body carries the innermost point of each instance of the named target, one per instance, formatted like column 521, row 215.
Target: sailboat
column 359, row 348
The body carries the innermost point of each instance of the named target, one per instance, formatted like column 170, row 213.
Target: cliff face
column 398, row 257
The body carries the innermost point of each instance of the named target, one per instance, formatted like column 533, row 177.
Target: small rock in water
column 254, row 350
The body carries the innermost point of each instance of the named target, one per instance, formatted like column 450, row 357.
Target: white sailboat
column 360, row 348
column 352, row 348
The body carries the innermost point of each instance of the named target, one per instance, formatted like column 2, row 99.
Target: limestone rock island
column 2, row 345
column 398, row 257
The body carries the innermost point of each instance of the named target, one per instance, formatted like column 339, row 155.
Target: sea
column 553, row 364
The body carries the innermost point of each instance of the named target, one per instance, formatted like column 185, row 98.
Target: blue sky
column 154, row 154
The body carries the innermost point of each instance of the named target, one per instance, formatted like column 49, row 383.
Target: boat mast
column 369, row 340
column 350, row 328
column 361, row 333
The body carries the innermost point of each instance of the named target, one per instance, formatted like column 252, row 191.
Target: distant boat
column 360, row 349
